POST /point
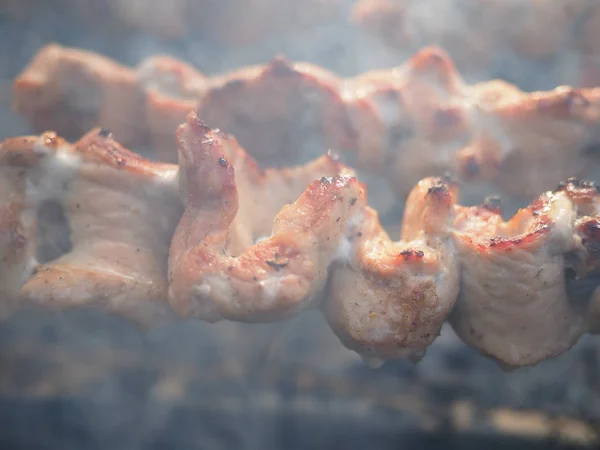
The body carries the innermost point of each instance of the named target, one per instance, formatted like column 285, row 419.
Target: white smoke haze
column 83, row 379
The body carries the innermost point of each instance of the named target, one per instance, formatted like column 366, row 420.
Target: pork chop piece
column 515, row 304
column 122, row 211
column 216, row 271
column 389, row 299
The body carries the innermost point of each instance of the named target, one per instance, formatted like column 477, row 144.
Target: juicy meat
column 406, row 123
column 525, row 290
column 518, row 291
column 389, row 299
column 533, row 316
column 121, row 210
column 216, row 270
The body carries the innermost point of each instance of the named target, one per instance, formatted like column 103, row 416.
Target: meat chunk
column 417, row 120
column 216, row 271
column 389, row 299
column 533, row 316
column 427, row 121
column 122, row 211
column 281, row 113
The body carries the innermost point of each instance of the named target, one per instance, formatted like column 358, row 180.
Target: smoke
column 83, row 379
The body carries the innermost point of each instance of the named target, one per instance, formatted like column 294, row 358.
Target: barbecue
column 416, row 120
column 252, row 224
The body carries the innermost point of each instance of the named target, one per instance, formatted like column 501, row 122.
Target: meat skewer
column 122, row 211
column 216, row 270
column 518, row 291
column 410, row 122
column 388, row 299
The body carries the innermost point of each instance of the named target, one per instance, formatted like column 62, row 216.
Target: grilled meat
column 121, row 210
column 413, row 121
column 326, row 248
column 216, row 270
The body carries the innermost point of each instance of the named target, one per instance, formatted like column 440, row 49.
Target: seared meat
column 512, row 302
column 531, row 317
column 519, row 291
column 413, row 121
column 389, row 299
column 484, row 37
column 122, row 211
column 216, row 271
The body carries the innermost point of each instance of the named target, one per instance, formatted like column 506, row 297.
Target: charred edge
column 507, row 244
column 326, row 180
column 353, row 201
column 439, row 190
column 104, row 132
column 407, row 254
column 493, row 203
column 578, row 184
column 591, row 239
column 276, row 265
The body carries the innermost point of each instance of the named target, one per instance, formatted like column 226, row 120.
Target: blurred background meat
column 86, row 380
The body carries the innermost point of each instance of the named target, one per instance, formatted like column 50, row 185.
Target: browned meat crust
column 217, row 269
column 519, row 291
column 510, row 281
column 416, row 120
